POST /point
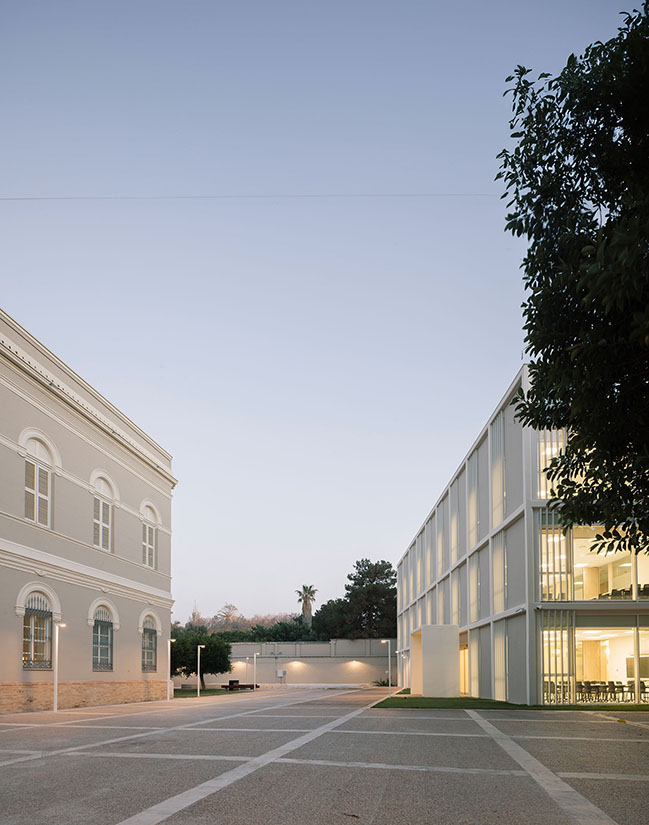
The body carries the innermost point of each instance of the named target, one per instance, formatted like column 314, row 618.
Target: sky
column 319, row 342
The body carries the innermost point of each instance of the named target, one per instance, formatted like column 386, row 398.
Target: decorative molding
column 20, row 557
column 148, row 503
column 39, row 435
column 103, row 602
column 95, row 475
column 78, row 434
column 38, row 587
column 62, row 473
column 148, row 613
column 58, row 388
column 29, row 363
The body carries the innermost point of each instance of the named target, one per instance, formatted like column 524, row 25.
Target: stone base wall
column 19, row 696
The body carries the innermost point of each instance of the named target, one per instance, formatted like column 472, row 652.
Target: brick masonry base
column 19, row 696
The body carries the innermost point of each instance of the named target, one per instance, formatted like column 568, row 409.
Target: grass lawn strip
column 469, row 702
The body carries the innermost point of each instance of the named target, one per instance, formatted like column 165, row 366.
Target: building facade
column 541, row 618
column 85, row 539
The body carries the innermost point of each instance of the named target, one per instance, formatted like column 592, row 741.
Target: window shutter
column 29, row 505
column 30, row 475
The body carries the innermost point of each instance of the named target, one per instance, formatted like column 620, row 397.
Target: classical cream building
column 538, row 617
column 85, row 539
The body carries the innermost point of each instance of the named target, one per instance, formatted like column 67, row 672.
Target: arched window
column 149, row 645
column 149, row 536
column 38, row 482
column 37, row 632
column 103, row 513
column 102, row 639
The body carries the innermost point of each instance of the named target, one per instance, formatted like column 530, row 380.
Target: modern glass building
column 541, row 618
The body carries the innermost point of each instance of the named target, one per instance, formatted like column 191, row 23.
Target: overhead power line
column 277, row 196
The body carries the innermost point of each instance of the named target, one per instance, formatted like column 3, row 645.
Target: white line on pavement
column 45, row 754
column 163, row 810
column 583, row 811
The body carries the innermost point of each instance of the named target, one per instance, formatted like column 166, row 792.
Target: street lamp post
column 56, row 666
column 169, row 643
column 198, row 671
column 387, row 642
column 247, row 660
column 254, row 671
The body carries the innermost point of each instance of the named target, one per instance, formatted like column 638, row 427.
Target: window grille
column 558, row 656
column 553, row 553
column 149, row 645
column 37, row 633
column 102, row 640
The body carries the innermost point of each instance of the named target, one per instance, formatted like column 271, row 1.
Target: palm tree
column 306, row 596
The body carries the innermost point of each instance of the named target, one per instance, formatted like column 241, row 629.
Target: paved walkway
column 316, row 757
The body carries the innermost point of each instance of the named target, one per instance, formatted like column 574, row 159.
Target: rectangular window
column 454, row 522
column 500, row 660
column 102, row 645
column 102, row 523
column 549, row 444
column 557, row 651
column 599, row 575
column 472, row 498
column 498, row 470
column 37, row 493
column 555, row 583
column 148, row 545
column 149, row 645
column 37, row 640
column 474, row 587
column 499, row 559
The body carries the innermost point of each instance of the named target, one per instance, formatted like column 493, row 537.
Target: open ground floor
column 310, row 757
column 543, row 655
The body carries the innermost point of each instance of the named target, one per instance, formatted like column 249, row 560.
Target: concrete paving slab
column 560, row 715
column 626, row 803
column 420, row 713
column 296, row 795
column 595, row 730
column 222, row 743
column 462, row 726
column 410, row 750
column 593, row 757
column 52, row 738
column 273, row 723
column 85, row 791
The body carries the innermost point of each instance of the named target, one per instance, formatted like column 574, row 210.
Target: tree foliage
column 215, row 658
column 578, row 183
column 306, row 597
column 369, row 608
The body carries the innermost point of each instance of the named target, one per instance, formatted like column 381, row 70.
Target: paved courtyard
column 310, row 757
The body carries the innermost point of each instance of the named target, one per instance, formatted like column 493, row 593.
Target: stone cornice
column 39, row 373
column 28, row 559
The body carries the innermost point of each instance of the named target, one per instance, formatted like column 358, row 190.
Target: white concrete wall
column 339, row 662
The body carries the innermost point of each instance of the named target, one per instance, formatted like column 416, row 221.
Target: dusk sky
column 319, row 344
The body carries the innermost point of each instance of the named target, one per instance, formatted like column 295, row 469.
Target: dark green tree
column 215, row 658
column 369, row 608
column 330, row 621
column 578, row 184
column 372, row 598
